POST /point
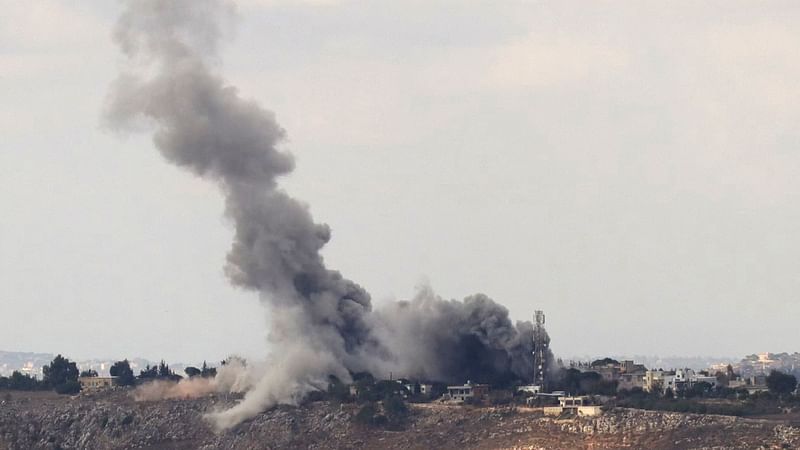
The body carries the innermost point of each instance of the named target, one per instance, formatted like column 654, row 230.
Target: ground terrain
column 43, row 420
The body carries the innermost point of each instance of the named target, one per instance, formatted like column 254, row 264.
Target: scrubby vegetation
column 19, row 381
column 382, row 402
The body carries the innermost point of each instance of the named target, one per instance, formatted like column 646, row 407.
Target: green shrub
column 395, row 407
column 366, row 415
column 70, row 387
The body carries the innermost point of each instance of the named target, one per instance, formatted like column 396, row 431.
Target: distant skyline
column 629, row 168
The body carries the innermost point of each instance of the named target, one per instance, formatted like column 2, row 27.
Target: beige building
column 658, row 380
column 629, row 381
column 575, row 405
column 96, row 383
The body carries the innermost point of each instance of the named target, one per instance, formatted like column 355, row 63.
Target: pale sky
column 631, row 168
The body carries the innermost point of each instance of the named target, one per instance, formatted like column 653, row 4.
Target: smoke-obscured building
column 467, row 392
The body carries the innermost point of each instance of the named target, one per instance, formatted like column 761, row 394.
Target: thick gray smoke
column 321, row 323
column 455, row 341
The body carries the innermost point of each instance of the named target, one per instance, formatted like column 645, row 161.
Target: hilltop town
column 111, row 418
column 599, row 403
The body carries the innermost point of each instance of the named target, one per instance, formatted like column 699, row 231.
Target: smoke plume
column 233, row 376
column 454, row 341
column 321, row 323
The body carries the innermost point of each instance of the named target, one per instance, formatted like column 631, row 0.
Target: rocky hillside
column 113, row 420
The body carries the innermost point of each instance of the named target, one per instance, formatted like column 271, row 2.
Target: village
column 581, row 388
column 757, row 384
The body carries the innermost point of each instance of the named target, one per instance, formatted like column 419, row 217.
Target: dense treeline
column 19, row 381
column 62, row 375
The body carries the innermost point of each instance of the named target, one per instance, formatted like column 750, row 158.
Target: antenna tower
column 540, row 343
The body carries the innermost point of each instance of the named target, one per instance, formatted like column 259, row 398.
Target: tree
column 148, row 372
column 62, row 375
column 570, row 381
column 207, row 371
column 91, row 373
column 699, row 389
column 604, row 362
column 366, row 415
column 192, row 371
column 122, row 370
column 20, row 382
column 576, row 382
column 396, row 411
column 781, row 383
column 163, row 370
column 395, row 406
column 69, row 387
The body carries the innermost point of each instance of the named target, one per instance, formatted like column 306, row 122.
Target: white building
column 530, row 389
column 468, row 391
column 677, row 381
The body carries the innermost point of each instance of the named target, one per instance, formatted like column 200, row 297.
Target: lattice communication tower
column 541, row 342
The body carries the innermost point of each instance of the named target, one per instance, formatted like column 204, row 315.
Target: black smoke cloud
column 321, row 323
column 454, row 341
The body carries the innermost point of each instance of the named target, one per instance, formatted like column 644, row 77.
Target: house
column 631, row 380
column 609, row 374
column 687, row 378
column 469, row 391
column 96, row 383
column 572, row 401
column 530, row 389
column 737, row 383
column 612, row 371
column 657, row 380
column 756, row 383
column 629, row 366
column 426, row 389
column 676, row 381
column 575, row 404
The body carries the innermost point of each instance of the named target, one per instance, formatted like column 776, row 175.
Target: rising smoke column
column 204, row 126
column 321, row 323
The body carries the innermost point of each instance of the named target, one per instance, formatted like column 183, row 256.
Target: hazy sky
column 631, row 168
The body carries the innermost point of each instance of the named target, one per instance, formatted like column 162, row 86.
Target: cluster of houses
column 628, row 375
column 472, row 392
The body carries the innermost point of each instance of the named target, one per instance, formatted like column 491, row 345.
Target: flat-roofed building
column 468, row 391
column 96, row 383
